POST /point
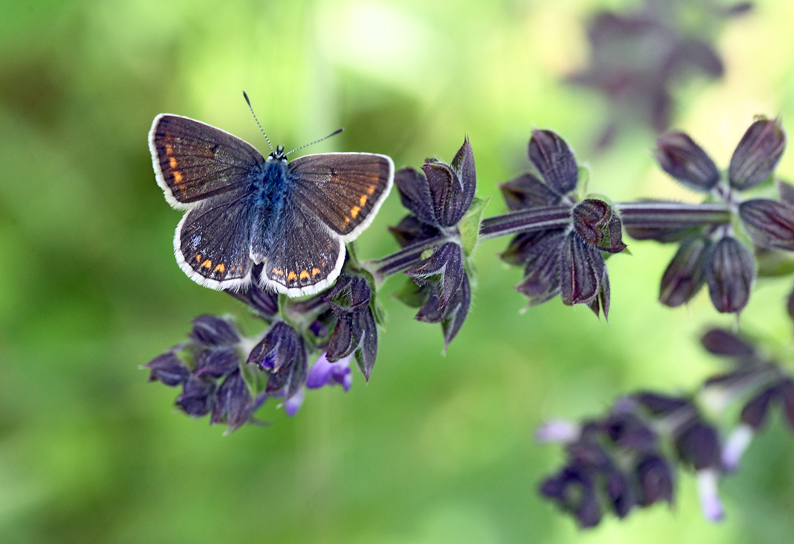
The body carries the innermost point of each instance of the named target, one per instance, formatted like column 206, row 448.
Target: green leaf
column 469, row 225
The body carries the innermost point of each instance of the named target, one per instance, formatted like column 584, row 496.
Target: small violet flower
column 322, row 373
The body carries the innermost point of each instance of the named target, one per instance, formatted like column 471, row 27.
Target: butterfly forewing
column 213, row 241
column 194, row 161
column 305, row 256
column 344, row 190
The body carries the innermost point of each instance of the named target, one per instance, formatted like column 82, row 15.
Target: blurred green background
column 436, row 448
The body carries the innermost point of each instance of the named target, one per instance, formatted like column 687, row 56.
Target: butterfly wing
column 194, row 161
column 343, row 190
column 212, row 242
column 305, row 256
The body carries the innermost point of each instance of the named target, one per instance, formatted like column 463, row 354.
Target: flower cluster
column 716, row 255
column 443, row 229
column 620, row 461
column 229, row 376
column 636, row 58
column 565, row 259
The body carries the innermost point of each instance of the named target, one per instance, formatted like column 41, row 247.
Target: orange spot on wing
column 172, row 162
column 292, row 275
column 354, row 211
column 169, row 149
column 177, row 177
column 198, row 257
column 207, row 264
column 220, row 268
column 362, row 201
column 371, row 189
column 315, row 271
column 347, row 220
column 304, row 275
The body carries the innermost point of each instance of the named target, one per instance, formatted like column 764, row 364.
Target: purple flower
column 168, row 369
column 711, row 255
column 443, row 194
column 438, row 200
column 322, row 373
column 197, row 396
column 356, row 332
column 233, row 404
column 757, row 154
column 281, row 353
column 730, row 274
column 558, row 260
column 214, row 331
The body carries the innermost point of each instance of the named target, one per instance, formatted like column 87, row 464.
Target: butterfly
column 244, row 210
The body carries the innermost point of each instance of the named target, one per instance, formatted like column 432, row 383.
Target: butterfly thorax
column 268, row 190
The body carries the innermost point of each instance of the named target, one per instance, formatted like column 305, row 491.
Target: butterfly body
column 244, row 209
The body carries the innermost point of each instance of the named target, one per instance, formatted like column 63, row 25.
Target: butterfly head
column 278, row 154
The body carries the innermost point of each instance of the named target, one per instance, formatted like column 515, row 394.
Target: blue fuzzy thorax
column 268, row 190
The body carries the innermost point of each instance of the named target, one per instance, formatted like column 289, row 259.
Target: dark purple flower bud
column 630, row 432
column 233, row 402
column 769, row 223
column 582, row 268
column 699, row 446
column 262, row 301
column 655, row 478
column 573, row 492
column 415, row 194
column 682, row 158
column 554, row 160
column 168, row 369
column 661, row 405
column 739, row 8
column 527, row 191
column 290, row 378
column 542, row 274
column 444, row 269
column 217, row 362
column 757, row 154
column 755, row 411
column 214, row 331
column 620, row 493
column 356, row 331
column 280, row 347
column 726, row 344
column 197, row 396
column 324, row 372
column 443, row 195
column 598, row 225
column 730, row 273
column 451, row 315
column 411, row 229
column 685, row 274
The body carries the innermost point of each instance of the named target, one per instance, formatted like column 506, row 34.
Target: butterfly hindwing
column 344, row 190
column 305, row 256
column 213, row 240
column 194, row 161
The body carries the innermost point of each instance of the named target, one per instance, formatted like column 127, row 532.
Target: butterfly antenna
column 257, row 121
column 334, row 133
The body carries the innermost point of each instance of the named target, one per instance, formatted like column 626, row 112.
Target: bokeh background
column 436, row 448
